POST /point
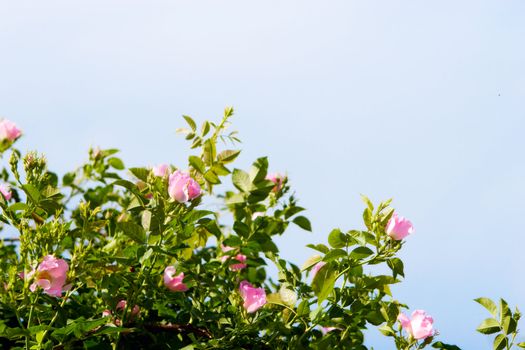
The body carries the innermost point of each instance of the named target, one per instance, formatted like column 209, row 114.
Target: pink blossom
column 257, row 215
column 160, row 170
column 9, row 130
column 5, row 189
column 317, row 267
column 419, row 326
column 174, row 283
column 50, row 276
column 241, row 258
column 325, row 330
column 182, row 187
column 242, row 263
column 225, row 249
column 254, row 298
column 277, row 179
column 106, row 313
column 398, row 227
column 121, row 306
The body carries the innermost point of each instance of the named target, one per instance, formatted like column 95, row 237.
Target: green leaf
column 319, row 247
column 32, row 192
column 311, row 261
column 140, row 173
column 489, row 305
column 228, row 156
column 334, row 254
column 489, row 326
column 386, row 330
column 337, row 239
column 440, row 345
column 241, row 180
column 209, row 152
column 211, row 177
column 197, row 164
column 220, row 169
column 504, row 309
column 500, row 342
column 367, row 218
column 367, row 201
column 397, row 267
column 303, row 223
column 509, row 325
column 133, row 231
column 323, row 283
column 259, row 170
column 521, row 345
column 241, row 228
column 361, row 253
column 18, row 206
column 68, row 178
column 190, row 122
column 116, row 163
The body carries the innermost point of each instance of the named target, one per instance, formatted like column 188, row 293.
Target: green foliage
column 504, row 323
column 119, row 229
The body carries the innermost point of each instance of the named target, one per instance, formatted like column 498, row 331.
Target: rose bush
column 109, row 257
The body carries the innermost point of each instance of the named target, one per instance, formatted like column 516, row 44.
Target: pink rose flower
column 50, row 276
column 317, row 267
column 160, row 170
column 9, row 130
column 241, row 258
column 121, row 306
column 5, row 189
column 174, row 283
column 419, row 326
column 182, row 187
column 277, row 179
column 398, row 227
column 254, row 298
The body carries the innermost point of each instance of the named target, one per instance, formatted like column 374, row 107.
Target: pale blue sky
column 423, row 101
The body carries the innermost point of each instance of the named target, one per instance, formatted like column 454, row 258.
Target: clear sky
column 423, row 101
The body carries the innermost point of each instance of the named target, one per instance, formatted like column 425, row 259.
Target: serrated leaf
column 500, row 342
column 190, row 122
column 319, row 247
column 241, row 180
column 228, row 156
column 209, row 152
column 140, row 173
column 509, row 325
column 32, row 192
column 489, row 305
column 197, row 164
column 489, row 326
column 368, row 202
column 211, row 177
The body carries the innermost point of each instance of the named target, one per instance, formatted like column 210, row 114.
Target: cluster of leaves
column 118, row 229
column 503, row 323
